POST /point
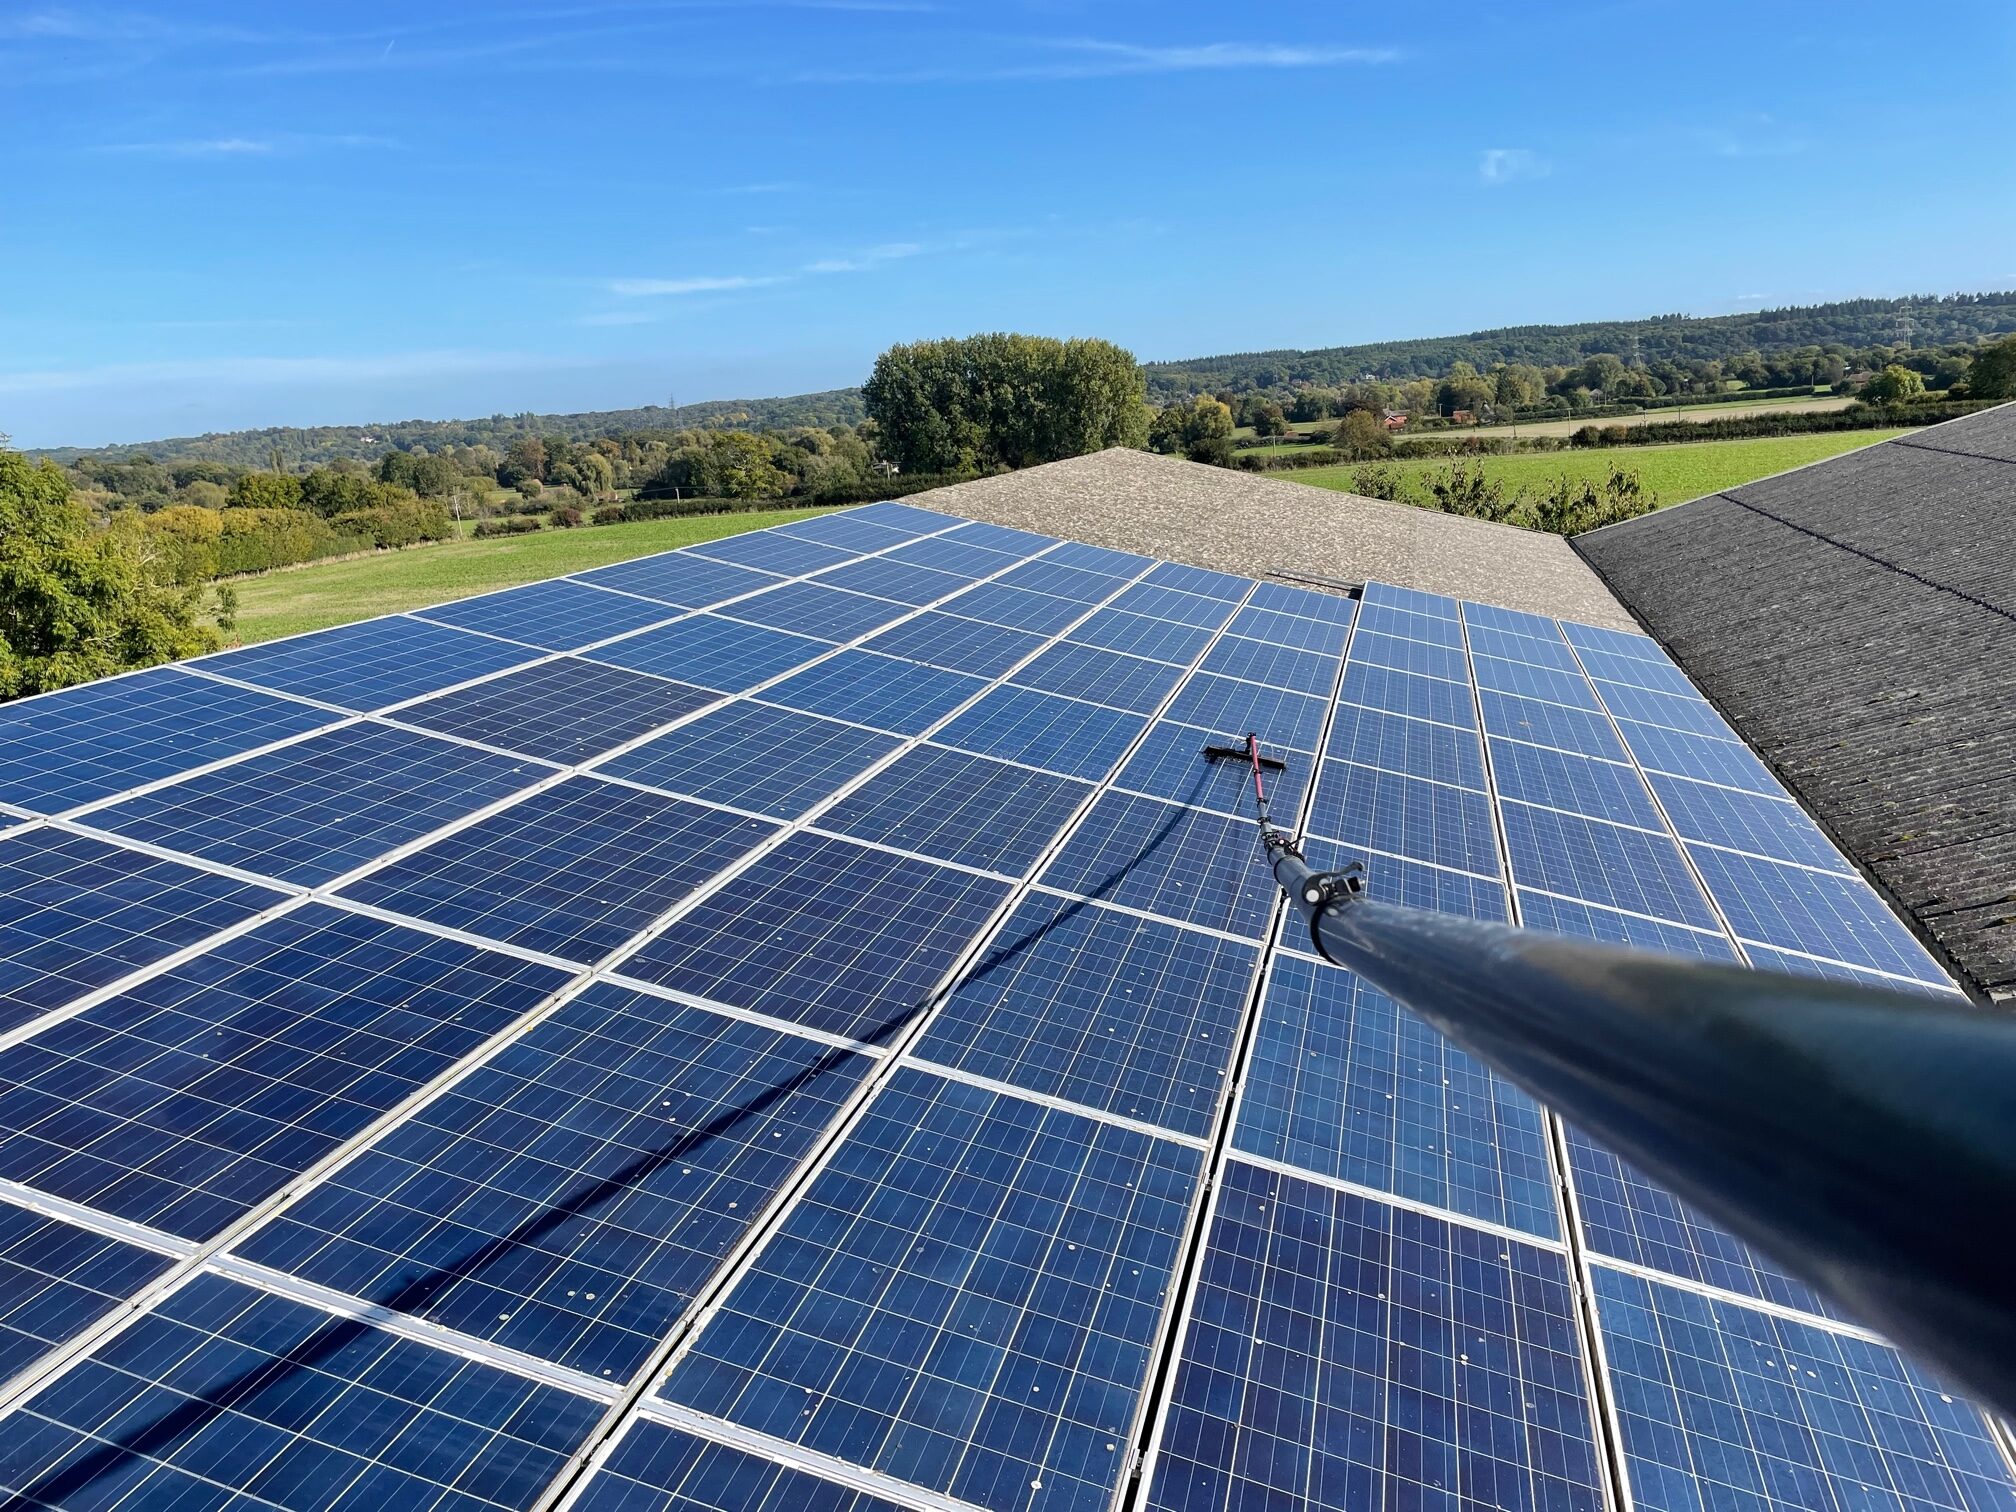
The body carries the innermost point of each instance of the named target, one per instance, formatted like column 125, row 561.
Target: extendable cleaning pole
column 1863, row 1138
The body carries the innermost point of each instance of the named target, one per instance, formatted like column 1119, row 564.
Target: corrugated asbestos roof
column 1856, row 622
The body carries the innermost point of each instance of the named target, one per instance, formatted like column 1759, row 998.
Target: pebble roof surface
column 1235, row 522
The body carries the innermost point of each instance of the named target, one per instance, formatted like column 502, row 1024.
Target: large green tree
column 1003, row 400
column 1993, row 375
column 77, row 602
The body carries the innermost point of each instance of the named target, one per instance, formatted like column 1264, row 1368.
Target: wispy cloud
column 654, row 288
column 861, row 262
column 777, row 186
column 245, row 147
column 1066, row 58
column 1510, row 165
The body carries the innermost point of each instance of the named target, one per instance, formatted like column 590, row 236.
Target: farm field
column 1675, row 472
column 321, row 594
column 1818, row 404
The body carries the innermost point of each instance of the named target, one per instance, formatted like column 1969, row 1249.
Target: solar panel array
column 792, row 1022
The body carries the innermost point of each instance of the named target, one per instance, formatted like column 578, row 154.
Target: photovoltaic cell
column 1344, row 1354
column 1565, row 916
column 770, row 552
column 1174, row 604
column 1229, row 707
column 1064, row 735
column 1218, row 585
column 309, row 812
column 1600, row 863
column 1582, row 731
column 1628, row 1218
column 960, row 645
column 1392, row 596
column 1774, row 827
column 86, row 743
column 1325, row 637
column 961, row 557
column 659, row 1469
column 754, row 756
column 1405, row 816
column 1309, row 603
column 1409, row 693
column 569, row 1197
column 1120, row 564
column 1017, row 608
column 369, row 665
column 1277, row 666
column 228, row 1396
column 679, row 578
column 1819, row 913
column 1170, row 764
column 564, row 711
column 878, row 691
column 1674, row 751
column 1048, row 575
column 1397, row 880
column 559, row 615
column 1617, row 642
column 573, row 871
column 1100, row 1008
column 1182, row 863
column 1421, row 657
column 76, row 913
column 1138, row 635
column 1671, row 710
column 957, row 807
column 831, row 614
column 56, row 1280
column 1638, row 671
column 1724, row 1406
column 186, row 1100
column 1345, row 1083
column 1580, row 784
column 1418, row 747
column 825, row 933
column 1529, row 650
column 905, row 582
column 848, row 532
column 1510, row 621
column 1529, row 680
column 965, row 1298
column 1767, row 959
column 1440, row 629
column 904, row 517
column 1133, row 683
column 1000, row 538
column 709, row 652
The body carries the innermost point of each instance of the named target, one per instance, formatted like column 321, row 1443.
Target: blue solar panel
column 878, row 691
column 905, row 582
column 1393, row 597
column 1608, row 864
column 310, row 812
column 1121, row 564
column 1683, row 755
column 1818, row 913
column 56, row 1280
column 1405, row 816
column 1182, row 863
column 1218, row 585
column 904, row 517
column 1017, row 608
column 1102, row 1008
column 371, row 665
column 958, row 807
column 1774, row 827
column 1397, row 880
column 825, row 933
column 1725, row 1406
column 963, row 557
column 1133, row 683
column 76, row 913
column 709, row 652
column 753, row 756
column 1767, row 959
column 87, row 743
column 965, row 1298
column 809, row 609
column 186, row 1100
column 1668, row 709
column 1529, row 680
column 565, row 711
column 1346, row 1083
column 573, row 871
column 223, row 1389
column 1000, row 538
column 559, row 615
column 569, row 1198
column 1566, row 916
column 1138, row 635
column 1048, row 575
column 1582, row 731
column 1170, row 764
column 1510, row 622
column 1228, row 707
column 769, row 551
column 1627, row 1218
column 1344, row 1354
column 1440, row 629
column 1580, row 784
column 1310, row 603
column 679, row 578
column 1529, row 650
column 1325, row 637
column 1058, row 734
column 852, row 532
column 1277, row 666
column 944, row 640
column 1638, row 671
column 659, row 1469
column 1174, row 604
column 1410, row 694
column 1402, row 655
column 1418, row 747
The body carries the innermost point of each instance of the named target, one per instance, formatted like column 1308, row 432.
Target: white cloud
column 861, row 262
column 1506, row 165
column 653, row 288
column 1091, row 58
column 244, row 147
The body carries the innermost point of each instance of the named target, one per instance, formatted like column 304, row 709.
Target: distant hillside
column 1919, row 320
column 325, row 443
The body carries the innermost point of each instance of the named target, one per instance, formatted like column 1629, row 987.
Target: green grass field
column 335, row 593
column 1675, row 472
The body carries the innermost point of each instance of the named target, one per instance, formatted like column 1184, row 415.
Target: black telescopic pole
column 1863, row 1138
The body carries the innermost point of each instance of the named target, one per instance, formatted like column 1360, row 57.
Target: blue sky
column 221, row 215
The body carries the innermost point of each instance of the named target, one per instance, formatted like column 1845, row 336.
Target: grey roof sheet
column 1236, row 522
column 1856, row 622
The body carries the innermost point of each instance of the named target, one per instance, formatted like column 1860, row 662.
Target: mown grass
column 1675, row 472
column 335, row 593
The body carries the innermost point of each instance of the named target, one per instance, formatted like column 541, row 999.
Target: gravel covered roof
column 1855, row 620
column 1236, row 522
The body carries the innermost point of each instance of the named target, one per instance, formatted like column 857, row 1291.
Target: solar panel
column 851, row 1014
